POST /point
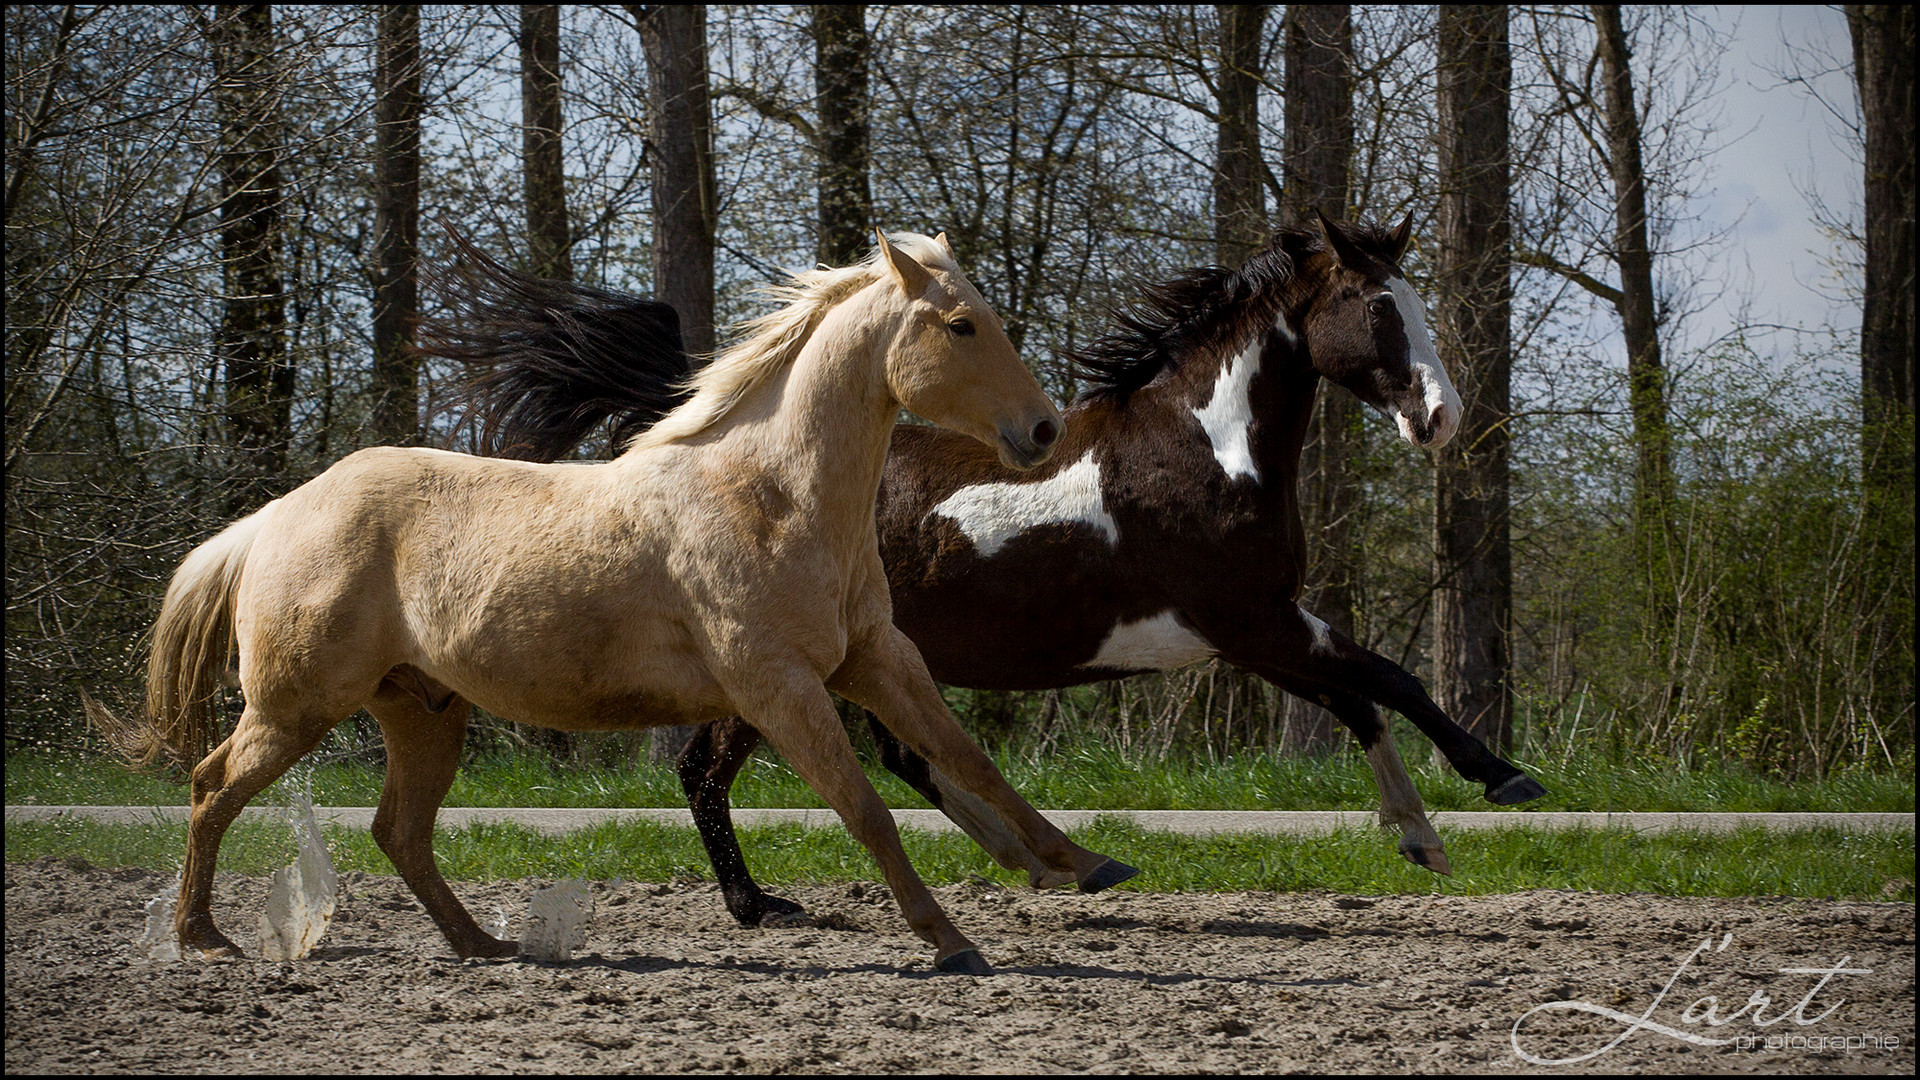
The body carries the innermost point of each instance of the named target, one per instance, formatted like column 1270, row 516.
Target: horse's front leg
column 1400, row 802
column 963, row 808
column 708, row 765
column 888, row 677
column 1325, row 663
column 800, row 721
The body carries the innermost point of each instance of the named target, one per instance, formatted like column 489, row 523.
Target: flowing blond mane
column 769, row 342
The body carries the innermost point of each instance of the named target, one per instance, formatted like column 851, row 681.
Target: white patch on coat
column 1157, row 643
column 1322, row 636
column 1281, row 324
column 1441, row 400
column 1227, row 417
column 992, row 514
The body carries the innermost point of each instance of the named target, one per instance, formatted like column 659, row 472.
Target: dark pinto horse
column 1165, row 529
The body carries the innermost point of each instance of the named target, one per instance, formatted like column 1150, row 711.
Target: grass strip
column 1813, row 863
column 1092, row 778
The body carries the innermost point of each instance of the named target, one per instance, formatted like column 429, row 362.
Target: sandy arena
column 1121, row 982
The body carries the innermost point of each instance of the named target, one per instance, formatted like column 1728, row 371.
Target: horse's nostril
column 1044, row 433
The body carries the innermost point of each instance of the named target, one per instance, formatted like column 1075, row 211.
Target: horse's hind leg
column 423, row 752
column 963, row 808
column 260, row 749
column 712, row 759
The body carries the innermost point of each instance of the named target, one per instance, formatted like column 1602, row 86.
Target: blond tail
column 193, row 646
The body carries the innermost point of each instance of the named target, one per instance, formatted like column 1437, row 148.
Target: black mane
column 1204, row 310
column 546, row 361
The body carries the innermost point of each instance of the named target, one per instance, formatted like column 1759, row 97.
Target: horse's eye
column 1380, row 306
column 962, row 327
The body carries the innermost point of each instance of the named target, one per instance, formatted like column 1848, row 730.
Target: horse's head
column 1368, row 332
column 951, row 362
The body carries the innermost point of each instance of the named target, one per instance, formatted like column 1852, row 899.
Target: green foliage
column 1824, row 863
column 1770, row 623
column 1088, row 776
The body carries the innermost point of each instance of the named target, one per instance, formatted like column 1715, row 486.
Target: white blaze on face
column 992, row 514
column 1157, row 643
column 1441, row 401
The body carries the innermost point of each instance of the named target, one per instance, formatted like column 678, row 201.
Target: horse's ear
column 1397, row 239
column 913, row 277
column 943, row 242
column 1343, row 245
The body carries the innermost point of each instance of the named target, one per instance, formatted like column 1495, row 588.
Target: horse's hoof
column 1431, row 858
column 1518, row 789
column 490, row 949
column 1108, row 874
column 210, row 944
column 964, row 962
column 786, row 914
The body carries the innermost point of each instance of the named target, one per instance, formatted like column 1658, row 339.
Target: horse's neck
column 1286, row 405
column 1269, row 392
column 819, row 428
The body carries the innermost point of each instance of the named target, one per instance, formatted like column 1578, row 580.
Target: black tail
column 547, row 361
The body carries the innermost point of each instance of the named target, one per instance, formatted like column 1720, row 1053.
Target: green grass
column 1093, row 778
column 1818, row 863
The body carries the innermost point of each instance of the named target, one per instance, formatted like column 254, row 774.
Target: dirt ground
column 1120, row 982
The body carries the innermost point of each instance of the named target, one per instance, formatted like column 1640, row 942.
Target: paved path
column 1190, row 822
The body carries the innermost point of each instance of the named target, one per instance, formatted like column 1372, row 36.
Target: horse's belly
column 572, row 707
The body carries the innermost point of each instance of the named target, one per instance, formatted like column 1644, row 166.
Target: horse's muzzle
column 1025, row 446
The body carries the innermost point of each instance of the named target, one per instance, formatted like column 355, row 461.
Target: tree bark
column 1315, row 170
column 1473, row 567
column 1639, row 314
column 840, row 50
column 252, row 345
column 549, row 237
column 1883, row 55
column 680, row 145
column 1883, row 45
column 684, row 201
column 1239, row 198
column 396, row 241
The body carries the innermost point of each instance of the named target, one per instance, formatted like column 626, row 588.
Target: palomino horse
column 1166, row 529
column 725, row 564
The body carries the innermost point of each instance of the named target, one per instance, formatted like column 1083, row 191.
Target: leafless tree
column 549, row 237
column 1473, row 565
column 396, row 242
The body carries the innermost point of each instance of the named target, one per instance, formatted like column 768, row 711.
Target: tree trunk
column 840, row 50
column 549, row 239
column 396, row 241
column 1883, row 44
column 1639, row 317
column 680, row 145
column 1473, row 568
column 1239, row 198
column 252, row 343
column 1315, row 171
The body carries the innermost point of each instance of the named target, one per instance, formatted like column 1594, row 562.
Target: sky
column 1781, row 144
